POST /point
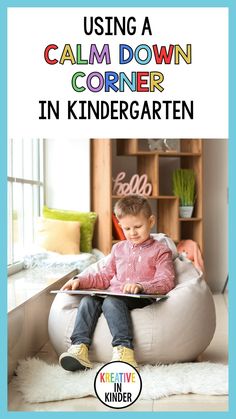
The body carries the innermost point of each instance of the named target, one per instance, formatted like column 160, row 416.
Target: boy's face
column 137, row 228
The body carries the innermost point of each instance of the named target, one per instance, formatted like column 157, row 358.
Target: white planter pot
column 186, row 211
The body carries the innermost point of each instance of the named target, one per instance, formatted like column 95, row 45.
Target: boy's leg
column 88, row 313
column 76, row 358
column 117, row 313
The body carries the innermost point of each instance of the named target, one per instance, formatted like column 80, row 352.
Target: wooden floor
column 216, row 352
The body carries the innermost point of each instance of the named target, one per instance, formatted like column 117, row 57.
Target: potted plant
column 184, row 188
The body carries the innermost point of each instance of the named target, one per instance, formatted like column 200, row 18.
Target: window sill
column 15, row 267
column 29, row 283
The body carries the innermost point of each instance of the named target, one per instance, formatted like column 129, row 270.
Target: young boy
column 138, row 264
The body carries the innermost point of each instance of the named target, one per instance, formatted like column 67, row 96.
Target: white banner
column 118, row 72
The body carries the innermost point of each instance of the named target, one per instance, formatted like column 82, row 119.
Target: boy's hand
column 132, row 289
column 72, row 284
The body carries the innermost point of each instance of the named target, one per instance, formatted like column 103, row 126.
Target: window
column 25, row 194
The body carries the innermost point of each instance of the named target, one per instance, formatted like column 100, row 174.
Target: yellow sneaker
column 123, row 354
column 76, row 358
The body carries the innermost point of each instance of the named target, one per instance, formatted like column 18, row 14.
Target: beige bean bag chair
column 174, row 330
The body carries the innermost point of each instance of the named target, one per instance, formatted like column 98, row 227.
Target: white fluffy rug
column 40, row 382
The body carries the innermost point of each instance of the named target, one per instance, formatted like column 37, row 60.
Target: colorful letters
column 112, row 81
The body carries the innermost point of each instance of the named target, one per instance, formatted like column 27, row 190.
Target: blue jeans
column 117, row 313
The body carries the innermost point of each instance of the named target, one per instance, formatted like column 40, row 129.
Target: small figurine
column 163, row 144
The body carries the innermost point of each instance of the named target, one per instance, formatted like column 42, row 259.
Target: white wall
column 67, row 168
column 215, row 212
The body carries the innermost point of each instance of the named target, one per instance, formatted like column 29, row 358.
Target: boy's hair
column 132, row 205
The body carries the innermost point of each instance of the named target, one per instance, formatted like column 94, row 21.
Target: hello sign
column 136, row 185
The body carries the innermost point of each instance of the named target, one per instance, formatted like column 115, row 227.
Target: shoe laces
column 75, row 349
column 118, row 350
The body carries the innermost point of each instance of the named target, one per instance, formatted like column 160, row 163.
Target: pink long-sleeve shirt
column 149, row 264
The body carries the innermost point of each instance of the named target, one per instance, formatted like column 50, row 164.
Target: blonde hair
column 132, row 205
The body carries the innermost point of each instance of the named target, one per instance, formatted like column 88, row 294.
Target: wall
column 28, row 325
column 67, row 169
column 215, row 211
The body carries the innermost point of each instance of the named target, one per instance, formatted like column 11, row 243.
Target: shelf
column 150, row 197
column 109, row 157
column 191, row 219
column 161, row 154
column 167, row 197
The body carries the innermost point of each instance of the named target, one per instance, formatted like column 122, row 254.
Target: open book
column 104, row 293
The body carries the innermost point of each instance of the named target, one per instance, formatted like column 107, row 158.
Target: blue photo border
column 4, row 4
